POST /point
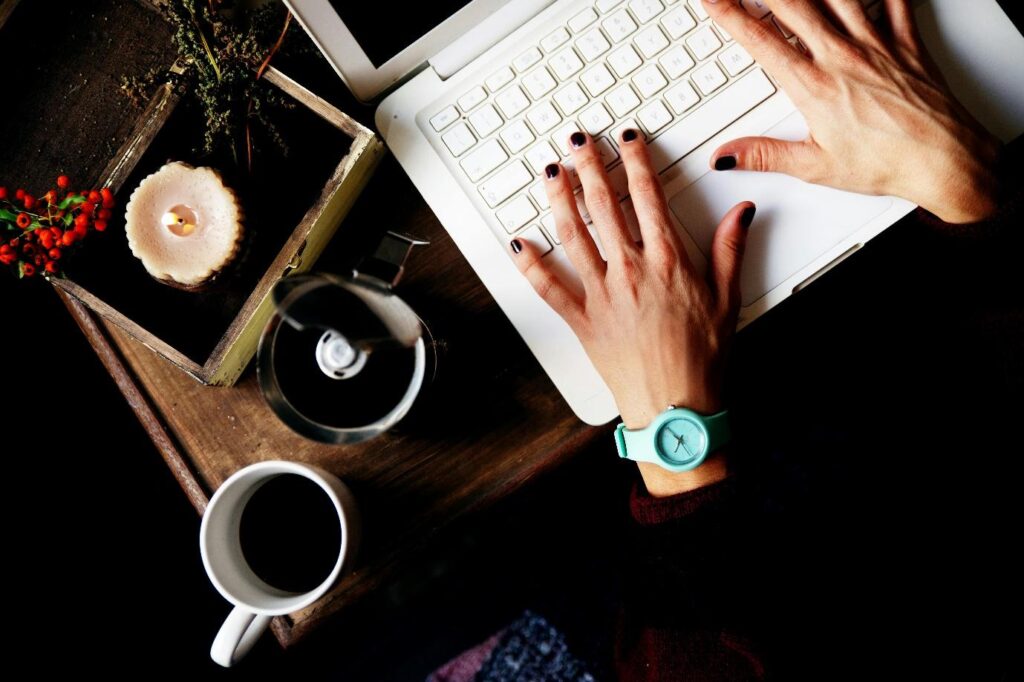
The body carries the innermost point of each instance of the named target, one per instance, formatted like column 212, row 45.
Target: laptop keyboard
column 660, row 66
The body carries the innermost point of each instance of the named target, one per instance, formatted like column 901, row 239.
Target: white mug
column 255, row 601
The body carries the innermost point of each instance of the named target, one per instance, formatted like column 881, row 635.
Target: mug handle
column 240, row 631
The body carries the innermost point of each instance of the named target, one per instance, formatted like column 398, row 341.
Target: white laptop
column 484, row 94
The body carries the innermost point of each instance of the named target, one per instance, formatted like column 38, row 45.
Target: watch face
column 682, row 441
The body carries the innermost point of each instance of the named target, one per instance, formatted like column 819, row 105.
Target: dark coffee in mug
column 290, row 533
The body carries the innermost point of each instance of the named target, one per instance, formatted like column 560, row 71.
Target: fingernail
column 517, row 246
column 551, row 171
column 748, row 216
column 724, row 163
column 629, row 134
column 577, row 140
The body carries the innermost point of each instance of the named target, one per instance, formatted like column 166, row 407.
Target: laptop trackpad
column 796, row 222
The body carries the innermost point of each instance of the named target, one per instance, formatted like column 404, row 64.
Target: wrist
column 639, row 413
column 968, row 190
column 662, row 483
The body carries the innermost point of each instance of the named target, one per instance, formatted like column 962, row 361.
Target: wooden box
column 293, row 202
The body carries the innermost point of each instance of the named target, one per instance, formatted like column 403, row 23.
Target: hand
column 882, row 119
column 655, row 331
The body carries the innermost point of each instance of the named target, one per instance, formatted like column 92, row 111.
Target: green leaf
column 68, row 219
column 70, row 201
column 7, row 215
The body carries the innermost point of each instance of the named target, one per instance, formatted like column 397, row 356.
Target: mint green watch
column 677, row 440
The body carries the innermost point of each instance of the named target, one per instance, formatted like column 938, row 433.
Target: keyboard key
column 550, row 229
column 654, row 116
column 555, row 39
column 645, row 10
column 499, row 79
column 444, row 119
column 512, row 102
column 678, row 23
column 526, row 59
column 726, row 36
column 535, row 236
column 624, row 61
column 582, row 20
column 486, row 158
column 709, row 78
column 698, row 9
column 605, row 6
column 592, row 45
column 711, row 118
column 544, row 117
column 472, row 98
column 595, row 118
column 566, row 63
column 517, row 136
column 539, row 82
column 540, row 195
column 676, row 62
column 622, row 100
column 597, row 79
column 459, row 139
column 516, row 213
column 703, row 43
column 649, row 80
column 505, row 183
column 735, row 59
column 619, row 25
column 485, row 120
column 607, row 151
column 570, row 99
column 561, row 136
column 628, row 124
column 540, row 155
column 681, row 97
column 651, row 41
column 756, row 8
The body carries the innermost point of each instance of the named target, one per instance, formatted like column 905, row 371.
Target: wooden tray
column 294, row 203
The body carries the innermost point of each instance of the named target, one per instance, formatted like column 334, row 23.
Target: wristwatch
column 678, row 439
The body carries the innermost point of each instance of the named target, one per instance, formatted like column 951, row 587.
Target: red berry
column 39, row 259
column 55, row 254
column 19, row 194
column 30, row 201
column 63, row 181
column 7, row 258
column 23, row 221
column 46, row 239
column 108, row 196
column 80, row 231
column 28, row 269
column 52, row 268
column 69, row 238
column 14, row 243
column 51, row 197
column 81, row 220
column 95, row 197
column 104, row 213
column 56, row 232
column 87, row 208
column 5, row 249
column 28, row 249
column 100, row 225
column 3, row 192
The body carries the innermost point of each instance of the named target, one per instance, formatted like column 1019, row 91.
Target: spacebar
column 710, row 119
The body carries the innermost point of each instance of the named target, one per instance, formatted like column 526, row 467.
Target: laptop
column 483, row 94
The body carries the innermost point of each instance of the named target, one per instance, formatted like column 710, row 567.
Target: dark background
column 909, row 355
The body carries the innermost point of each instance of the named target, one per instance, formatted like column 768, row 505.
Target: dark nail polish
column 551, row 171
column 629, row 134
column 517, row 246
column 748, row 216
column 724, row 163
column 577, row 140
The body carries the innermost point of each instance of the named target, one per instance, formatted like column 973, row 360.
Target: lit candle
column 184, row 224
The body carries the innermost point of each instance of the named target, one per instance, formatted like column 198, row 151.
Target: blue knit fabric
column 532, row 650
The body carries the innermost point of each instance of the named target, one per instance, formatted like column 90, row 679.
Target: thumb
column 727, row 249
column 769, row 155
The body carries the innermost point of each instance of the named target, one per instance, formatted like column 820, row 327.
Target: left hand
column 656, row 331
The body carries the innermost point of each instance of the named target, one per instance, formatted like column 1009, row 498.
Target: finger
column 648, row 196
column 727, row 247
column 807, row 21
column 903, row 26
column 768, row 155
column 600, row 197
column 763, row 42
column 851, row 17
column 575, row 237
column 548, row 285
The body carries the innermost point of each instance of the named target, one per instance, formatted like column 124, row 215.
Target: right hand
column 882, row 119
